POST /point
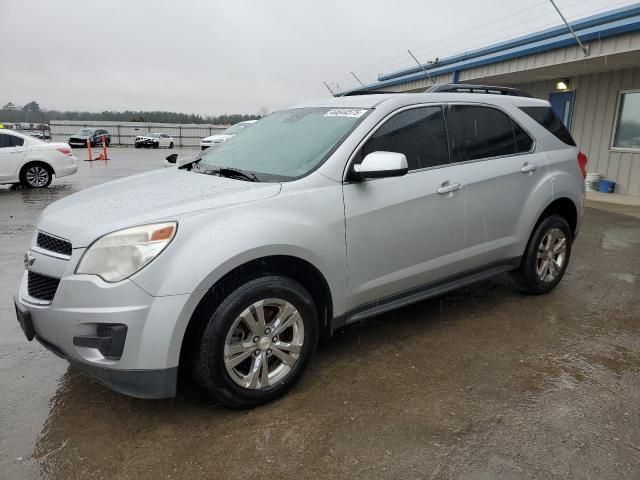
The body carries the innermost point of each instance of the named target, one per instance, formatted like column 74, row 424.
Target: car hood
column 160, row 195
column 217, row 138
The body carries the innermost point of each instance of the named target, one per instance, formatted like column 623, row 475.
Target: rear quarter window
column 548, row 119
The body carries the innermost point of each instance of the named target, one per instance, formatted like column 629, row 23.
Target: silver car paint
column 346, row 230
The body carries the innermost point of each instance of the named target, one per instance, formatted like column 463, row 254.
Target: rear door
column 501, row 172
column 402, row 233
column 12, row 152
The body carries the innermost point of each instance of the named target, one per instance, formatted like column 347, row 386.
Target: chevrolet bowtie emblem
column 28, row 260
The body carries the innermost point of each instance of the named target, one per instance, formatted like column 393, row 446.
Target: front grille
column 41, row 286
column 53, row 244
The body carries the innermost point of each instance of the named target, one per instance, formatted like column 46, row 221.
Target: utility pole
column 585, row 48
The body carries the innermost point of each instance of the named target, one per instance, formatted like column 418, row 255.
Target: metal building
column 595, row 89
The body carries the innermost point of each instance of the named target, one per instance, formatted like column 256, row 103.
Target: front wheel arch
column 295, row 268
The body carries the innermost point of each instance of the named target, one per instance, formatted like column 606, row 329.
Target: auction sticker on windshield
column 345, row 112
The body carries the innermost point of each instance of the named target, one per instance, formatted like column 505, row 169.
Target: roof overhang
column 591, row 30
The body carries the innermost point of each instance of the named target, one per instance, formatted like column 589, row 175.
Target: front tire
column 156, row 144
column 36, row 175
column 546, row 258
column 257, row 343
column 171, row 145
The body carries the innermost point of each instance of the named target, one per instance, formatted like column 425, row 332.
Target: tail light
column 582, row 163
column 64, row 150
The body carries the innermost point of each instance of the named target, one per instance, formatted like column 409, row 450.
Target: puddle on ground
column 623, row 236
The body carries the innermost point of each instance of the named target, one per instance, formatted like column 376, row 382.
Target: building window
column 627, row 130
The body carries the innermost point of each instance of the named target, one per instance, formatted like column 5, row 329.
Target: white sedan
column 32, row 162
column 154, row 140
column 230, row 132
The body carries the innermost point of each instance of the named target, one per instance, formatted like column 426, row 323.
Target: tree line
column 32, row 113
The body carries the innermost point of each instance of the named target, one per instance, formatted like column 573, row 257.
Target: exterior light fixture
column 562, row 84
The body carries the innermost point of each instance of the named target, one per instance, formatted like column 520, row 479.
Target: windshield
column 152, row 135
column 85, row 131
column 284, row 145
column 233, row 129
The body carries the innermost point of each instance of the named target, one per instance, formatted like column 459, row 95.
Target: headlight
column 120, row 254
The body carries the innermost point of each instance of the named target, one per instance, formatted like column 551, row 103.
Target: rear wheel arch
column 302, row 271
column 33, row 163
column 564, row 207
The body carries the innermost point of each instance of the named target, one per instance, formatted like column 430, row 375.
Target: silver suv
column 231, row 266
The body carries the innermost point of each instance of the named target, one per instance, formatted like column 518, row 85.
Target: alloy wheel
column 264, row 344
column 551, row 255
column 37, row 176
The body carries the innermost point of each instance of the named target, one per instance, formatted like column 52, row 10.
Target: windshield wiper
column 232, row 173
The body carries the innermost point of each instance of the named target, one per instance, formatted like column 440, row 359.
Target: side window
column 523, row 140
column 481, row 132
column 419, row 133
column 7, row 140
column 545, row 117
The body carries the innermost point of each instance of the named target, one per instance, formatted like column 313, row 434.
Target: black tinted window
column 7, row 140
column 481, row 132
column 545, row 117
column 419, row 133
column 523, row 140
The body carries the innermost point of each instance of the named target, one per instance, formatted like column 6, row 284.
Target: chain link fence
column 124, row 133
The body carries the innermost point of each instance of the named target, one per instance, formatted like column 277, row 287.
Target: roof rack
column 366, row 92
column 468, row 88
column 453, row 88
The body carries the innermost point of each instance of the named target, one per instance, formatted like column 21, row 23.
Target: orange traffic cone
column 105, row 154
column 90, row 159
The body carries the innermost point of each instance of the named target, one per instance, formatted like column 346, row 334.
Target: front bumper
column 84, row 305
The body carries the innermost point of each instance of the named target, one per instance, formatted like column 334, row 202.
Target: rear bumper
column 149, row 384
column 66, row 171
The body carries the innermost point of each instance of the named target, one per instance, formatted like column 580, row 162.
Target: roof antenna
column 585, row 48
column 329, row 88
column 424, row 70
column 359, row 81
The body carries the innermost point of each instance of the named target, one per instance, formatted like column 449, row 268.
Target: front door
column 562, row 105
column 402, row 232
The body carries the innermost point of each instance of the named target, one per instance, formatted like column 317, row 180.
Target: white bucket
column 591, row 182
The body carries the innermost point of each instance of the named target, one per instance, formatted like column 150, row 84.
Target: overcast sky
column 236, row 56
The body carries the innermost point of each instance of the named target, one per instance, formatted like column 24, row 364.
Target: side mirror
column 171, row 160
column 381, row 165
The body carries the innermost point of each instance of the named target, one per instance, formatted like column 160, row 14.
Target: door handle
column 529, row 167
column 448, row 187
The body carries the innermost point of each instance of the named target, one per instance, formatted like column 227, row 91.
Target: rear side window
column 545, row 117
column 10, row 141
column 481, row 132
column 523, row 140
column 419, row 133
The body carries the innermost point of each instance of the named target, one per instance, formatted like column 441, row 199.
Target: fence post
column 119, row 139
column 180, row 134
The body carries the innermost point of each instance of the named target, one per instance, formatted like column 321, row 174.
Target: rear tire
column 545, row 261
column 36, row 175
column 257, row 343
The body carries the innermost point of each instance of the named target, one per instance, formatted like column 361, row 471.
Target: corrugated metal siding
column 418, row 84
column 600, row 48
column 593, row 120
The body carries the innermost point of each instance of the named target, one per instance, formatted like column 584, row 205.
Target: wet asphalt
column 482, row 383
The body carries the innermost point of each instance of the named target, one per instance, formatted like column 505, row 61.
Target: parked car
column 232, row 265
column 226, row 135
column 79, row 139
column 32, row 162
column 153, row 140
